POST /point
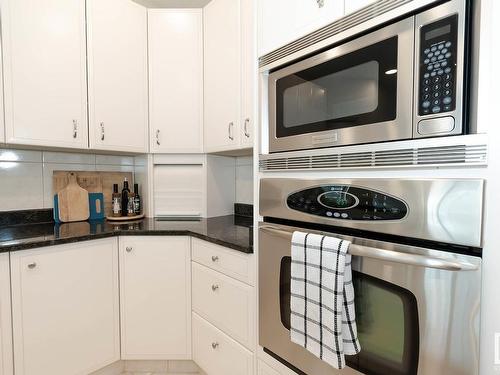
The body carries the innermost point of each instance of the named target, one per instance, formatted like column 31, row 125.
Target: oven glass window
column 387, row 322
column 351, row 90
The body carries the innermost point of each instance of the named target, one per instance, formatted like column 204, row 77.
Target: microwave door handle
column 392, row 256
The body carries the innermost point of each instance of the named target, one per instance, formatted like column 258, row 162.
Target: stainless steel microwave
column 406, row 80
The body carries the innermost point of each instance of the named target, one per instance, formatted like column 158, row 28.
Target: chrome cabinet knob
column 32, row 265
column 215, row 287
column 215, row 258
column 128, row 249
column 321, row 3
column 215, row 345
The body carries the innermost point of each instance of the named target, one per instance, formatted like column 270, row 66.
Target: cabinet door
column 222, row 74
column 118, row 79
column 354, row 5
column 311, row 15
column 155, row 292
column 6, row 366
column 65, row 308
column 276, row 20
column 264, row 369
column 249, row 72
column 45, row 74
column 176, row 80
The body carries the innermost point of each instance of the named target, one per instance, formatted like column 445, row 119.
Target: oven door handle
column 390, row 255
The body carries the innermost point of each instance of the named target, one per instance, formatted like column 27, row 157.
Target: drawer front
column 229, row 262
column 226, row 303
column 218, row 354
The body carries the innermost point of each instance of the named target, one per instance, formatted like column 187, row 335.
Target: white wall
column 26, row 175
column 244, row 180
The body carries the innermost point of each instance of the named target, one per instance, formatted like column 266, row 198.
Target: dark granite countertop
column 230, row 231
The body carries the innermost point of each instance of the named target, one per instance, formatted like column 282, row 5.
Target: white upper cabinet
column 176, row 80
column 118, row 80
column 283, row 21
column 222, row 75
column 249, row 72
column 354, row 5
column 45, row 75
column 65, row 308
column 155, row 287
column 6, row 365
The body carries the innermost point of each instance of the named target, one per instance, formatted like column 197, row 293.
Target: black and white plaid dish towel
column 322, row 298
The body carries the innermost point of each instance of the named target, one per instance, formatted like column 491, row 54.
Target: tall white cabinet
column 6, row 365
column 176, row 80
column 65, row 308
column 118, row 79
column 44, row 72
column 229, row 74
column 155, row 290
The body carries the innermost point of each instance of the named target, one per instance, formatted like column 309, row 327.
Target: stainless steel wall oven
column 416, row 270
column 405, row 80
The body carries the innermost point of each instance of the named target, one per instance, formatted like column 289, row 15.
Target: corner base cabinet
column 155, row 290
column 6, row 366
column 65, row 308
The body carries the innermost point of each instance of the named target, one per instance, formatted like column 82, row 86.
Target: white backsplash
column 26, row 176
column 244, row 179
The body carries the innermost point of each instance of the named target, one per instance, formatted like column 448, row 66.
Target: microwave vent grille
column 430, row 156
column 364, row 14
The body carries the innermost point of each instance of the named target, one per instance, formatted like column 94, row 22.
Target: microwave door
column 358, row 92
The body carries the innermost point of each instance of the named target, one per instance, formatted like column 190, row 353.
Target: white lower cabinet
column 218, row 354
column 155, row 292
column 65, row 308
column 264, row 369
column 225, row 302
column 6, row 366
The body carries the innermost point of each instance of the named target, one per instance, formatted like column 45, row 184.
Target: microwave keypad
column 438, row 59
column 344, row 202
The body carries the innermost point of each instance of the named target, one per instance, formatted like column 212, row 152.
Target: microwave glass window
column 350, row 90
column 346, row 93
column 387, row 323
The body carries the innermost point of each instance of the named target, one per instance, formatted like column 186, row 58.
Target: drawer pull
column 32, row 265
column 215, row 287
column 128, row 249
column 215, row 345
column 215, row 258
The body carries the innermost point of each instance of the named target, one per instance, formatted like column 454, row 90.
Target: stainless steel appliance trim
column 432, row 15
column 409, row 257
column 364, row 19
column 434, row 206
column 400, row 128
column 456, row 155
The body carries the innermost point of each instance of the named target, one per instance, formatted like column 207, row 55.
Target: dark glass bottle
column 137, row 200
column 125, row 194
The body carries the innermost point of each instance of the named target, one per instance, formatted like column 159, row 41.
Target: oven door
column 358, row 92
column 417, row 310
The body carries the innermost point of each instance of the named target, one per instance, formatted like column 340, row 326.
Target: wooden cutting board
column 73, row 201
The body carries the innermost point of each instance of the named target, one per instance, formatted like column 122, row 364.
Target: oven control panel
column 347, row 203
column 438, row 62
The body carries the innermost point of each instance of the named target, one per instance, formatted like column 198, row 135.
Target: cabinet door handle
column 230, row 131
column 158, row 137
column 215, row 258
column 32, row 265
column 245, row 128
column 215, row 345
column 75, row 129
column 215, row 287
column 128, row 249
column 321, row 3
column 102, row 131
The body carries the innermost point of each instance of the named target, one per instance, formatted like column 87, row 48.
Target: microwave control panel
column 347, row 203
column 438, row 66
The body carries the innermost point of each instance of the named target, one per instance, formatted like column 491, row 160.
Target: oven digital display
column 337, row 199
